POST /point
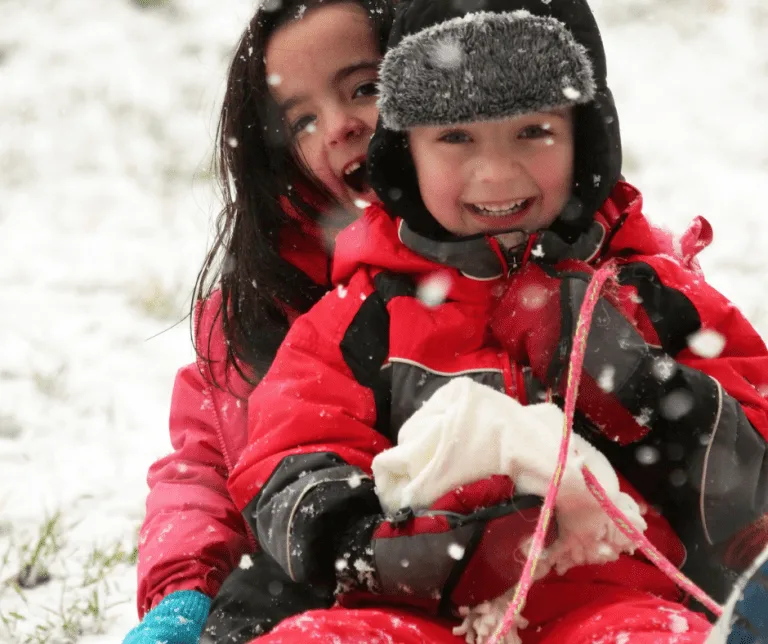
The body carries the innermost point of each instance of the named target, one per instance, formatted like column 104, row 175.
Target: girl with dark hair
column 298, row 112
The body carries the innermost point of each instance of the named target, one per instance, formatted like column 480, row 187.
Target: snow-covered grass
column 106, row 123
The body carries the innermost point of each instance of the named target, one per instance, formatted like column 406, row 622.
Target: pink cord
column 646, row 547
column 517, row 603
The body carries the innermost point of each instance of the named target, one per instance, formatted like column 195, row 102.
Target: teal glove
column 178, row 619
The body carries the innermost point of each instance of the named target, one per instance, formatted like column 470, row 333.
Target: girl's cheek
column 309, row 153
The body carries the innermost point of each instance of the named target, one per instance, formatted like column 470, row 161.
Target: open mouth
column 355, row 175
column 500, row 209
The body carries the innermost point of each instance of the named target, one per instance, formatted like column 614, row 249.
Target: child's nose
column 497, row 166
column 342, row 125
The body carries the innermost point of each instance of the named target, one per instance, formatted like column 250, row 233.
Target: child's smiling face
column 496, row 176
column 322, row 71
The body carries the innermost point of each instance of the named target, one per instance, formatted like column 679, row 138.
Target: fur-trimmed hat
column 448, row 64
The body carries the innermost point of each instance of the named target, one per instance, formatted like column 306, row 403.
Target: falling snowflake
column 676, row 404
column 341, row 564
column 606, row 378
column 354, row 481
column 275, row 587
column 245, row 562
column 362, row 204
column 341, row 292
column 706, row 343
column 433, row 290
column 455, row 551
column 647, row 455
column 311, row 128
column 446, row 54
column 273, row 80
column 678, row 478
column 232, row 142
column 571, row 93
column 663, row 368
column 534, row 297
column 644, row 417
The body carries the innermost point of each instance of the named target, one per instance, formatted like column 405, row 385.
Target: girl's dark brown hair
column 257, row 172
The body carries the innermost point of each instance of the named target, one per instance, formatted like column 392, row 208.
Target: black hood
column 597, row 141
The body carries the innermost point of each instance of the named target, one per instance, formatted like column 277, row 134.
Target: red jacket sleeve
column 305, row 475
column 731, row 467
column 688, row 376
column 193, row 535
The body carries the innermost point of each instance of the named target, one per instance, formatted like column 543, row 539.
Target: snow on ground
column 106, row 122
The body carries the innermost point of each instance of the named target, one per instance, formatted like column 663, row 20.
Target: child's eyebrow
column 345, row 72
column 338, row 76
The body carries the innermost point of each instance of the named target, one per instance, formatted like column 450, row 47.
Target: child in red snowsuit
column 497, row 159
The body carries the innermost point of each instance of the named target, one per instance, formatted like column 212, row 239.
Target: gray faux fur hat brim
column 483, row 66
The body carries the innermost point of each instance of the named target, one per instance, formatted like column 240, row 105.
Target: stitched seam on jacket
column 706, row 463
column 413, row 363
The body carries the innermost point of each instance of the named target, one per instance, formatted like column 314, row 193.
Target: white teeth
column 351, row 168
column 503, row 208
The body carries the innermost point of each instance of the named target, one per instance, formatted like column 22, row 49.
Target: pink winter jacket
column 193, row 535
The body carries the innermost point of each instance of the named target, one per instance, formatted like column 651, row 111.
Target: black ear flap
column 597, row 164
column 392, row 175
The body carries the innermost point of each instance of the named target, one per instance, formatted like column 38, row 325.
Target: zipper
column 496, row 248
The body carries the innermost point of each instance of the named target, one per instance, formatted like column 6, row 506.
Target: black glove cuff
column 355, row 564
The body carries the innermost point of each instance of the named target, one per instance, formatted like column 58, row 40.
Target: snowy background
column 107, row 115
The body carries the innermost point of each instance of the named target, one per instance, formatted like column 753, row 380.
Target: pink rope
column 646, row 547
column 601, row 276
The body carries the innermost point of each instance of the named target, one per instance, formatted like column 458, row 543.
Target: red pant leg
column 643, row 619
column 361, row 626
column 597, row 604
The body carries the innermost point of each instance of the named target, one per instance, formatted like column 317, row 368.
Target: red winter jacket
column 193, row 535
column 354, row 368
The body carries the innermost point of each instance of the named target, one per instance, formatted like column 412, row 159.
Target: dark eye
column 455, row 137
column 535, row 132
column 301, row 124
column 366, row 89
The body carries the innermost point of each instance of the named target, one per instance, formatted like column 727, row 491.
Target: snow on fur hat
column 448, row 64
